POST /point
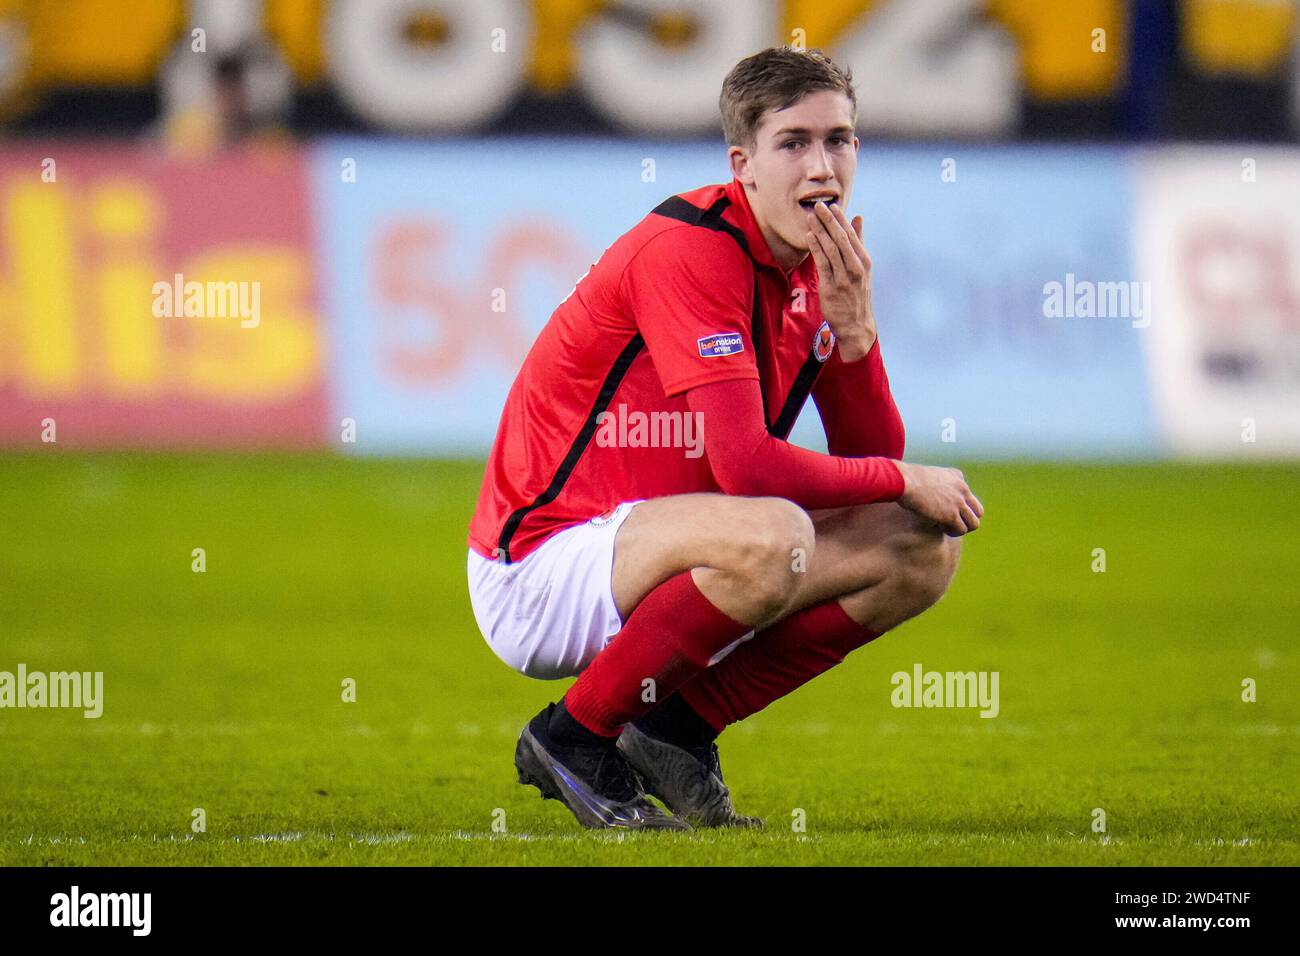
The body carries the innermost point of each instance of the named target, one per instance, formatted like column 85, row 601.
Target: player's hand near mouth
column 844, row 278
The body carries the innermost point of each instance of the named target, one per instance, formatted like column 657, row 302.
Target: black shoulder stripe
column 580, row 443
column 675, row 207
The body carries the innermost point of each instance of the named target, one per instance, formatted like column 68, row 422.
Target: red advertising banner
column 153, row 301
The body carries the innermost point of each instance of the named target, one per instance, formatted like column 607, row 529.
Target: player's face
column 800, row 153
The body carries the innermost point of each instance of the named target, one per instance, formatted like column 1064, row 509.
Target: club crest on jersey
column 720, row 343
column 823, row 342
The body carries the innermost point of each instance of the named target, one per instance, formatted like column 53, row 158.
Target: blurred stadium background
column 413, row 185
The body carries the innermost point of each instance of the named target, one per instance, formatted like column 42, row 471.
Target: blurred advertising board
column 440, row 263
column 379, row 296
column 146, row 301
column 1218, row 233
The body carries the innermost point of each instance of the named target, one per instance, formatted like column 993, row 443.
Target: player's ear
column 738, row 157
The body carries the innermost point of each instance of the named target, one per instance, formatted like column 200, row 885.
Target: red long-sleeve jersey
column 678, row 364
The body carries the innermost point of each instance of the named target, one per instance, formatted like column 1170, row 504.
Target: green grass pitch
column 1119, row 690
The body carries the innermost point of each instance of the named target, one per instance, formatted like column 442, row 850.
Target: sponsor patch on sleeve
column 720, row 343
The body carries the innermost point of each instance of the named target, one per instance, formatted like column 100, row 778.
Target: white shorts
column 550, row 613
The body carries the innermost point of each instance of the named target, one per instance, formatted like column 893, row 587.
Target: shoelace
column 708, row 758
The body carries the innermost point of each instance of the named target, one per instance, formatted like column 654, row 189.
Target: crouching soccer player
column 688, row 590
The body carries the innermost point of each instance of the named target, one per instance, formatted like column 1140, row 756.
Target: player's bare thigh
column 884, row 562
column 850, row 550
column 741, row 550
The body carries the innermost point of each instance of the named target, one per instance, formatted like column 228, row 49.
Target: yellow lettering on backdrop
column 38, row 234
column 273, row 361
column 125, row 218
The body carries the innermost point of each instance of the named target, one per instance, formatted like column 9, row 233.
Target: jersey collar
column 758, row 248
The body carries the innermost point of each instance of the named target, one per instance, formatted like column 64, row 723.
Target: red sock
column 670, row 637
column 774, row 662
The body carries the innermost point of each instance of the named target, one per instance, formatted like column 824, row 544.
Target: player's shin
column 668, row 640
column 778, row 660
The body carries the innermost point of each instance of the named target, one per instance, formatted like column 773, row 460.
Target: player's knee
column 927, row 562
column 777, row 542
